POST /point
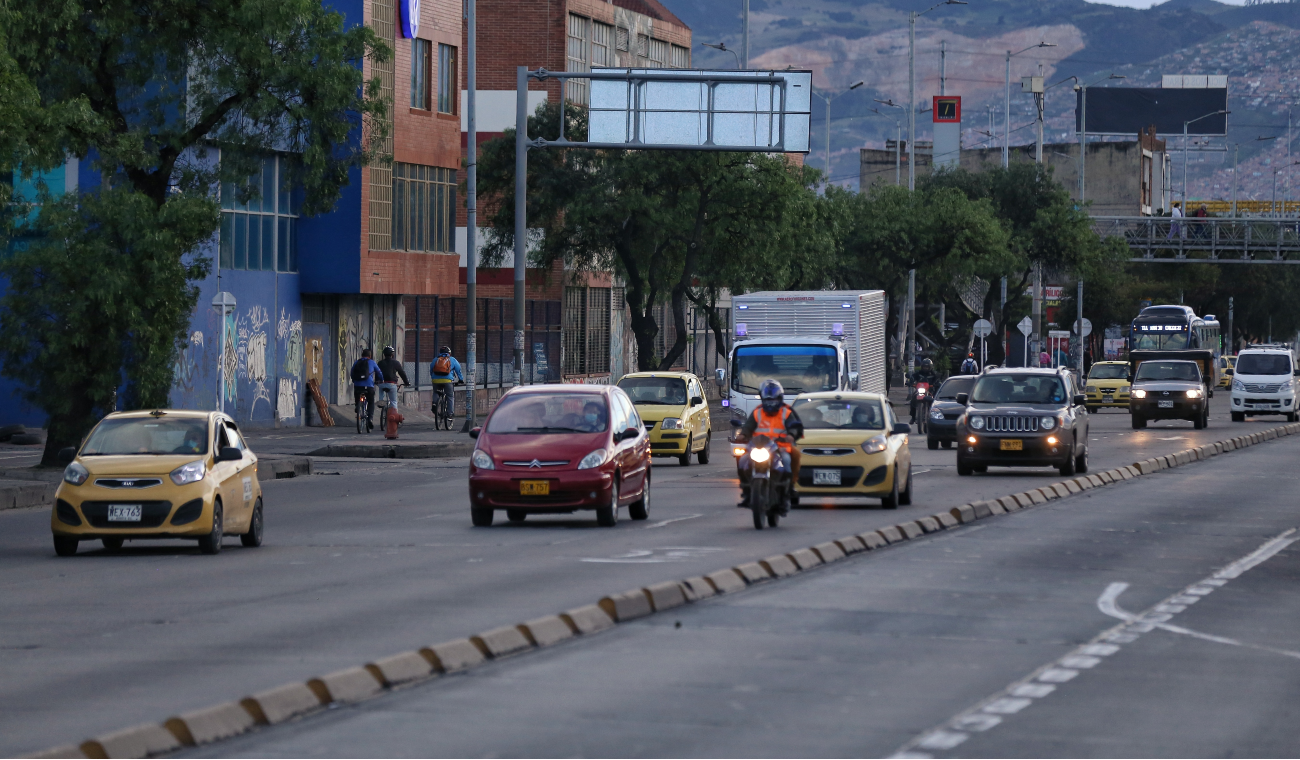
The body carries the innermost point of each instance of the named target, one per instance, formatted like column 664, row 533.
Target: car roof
column 559, row 388
column 1110, row 361
column 174, row 413
column 841, row 395
column 681, row 375
column 1264, row 350
column 1045, row 371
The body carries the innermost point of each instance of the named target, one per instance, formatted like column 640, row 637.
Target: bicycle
column 362, row 407
column 385, row 405
column 442, row 418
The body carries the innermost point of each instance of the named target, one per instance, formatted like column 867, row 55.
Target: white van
column 1263, row 383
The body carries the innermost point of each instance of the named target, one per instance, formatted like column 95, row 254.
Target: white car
column 1264, row 383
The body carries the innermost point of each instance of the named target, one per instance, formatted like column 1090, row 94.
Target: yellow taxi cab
column 1107, row 386
column 673, row 408
column 1227, row 367
column 853, row 445
column 158, row 474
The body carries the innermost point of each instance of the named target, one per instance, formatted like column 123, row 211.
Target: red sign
column 947, row 109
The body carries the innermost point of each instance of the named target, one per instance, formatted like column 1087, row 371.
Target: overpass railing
column 1218, row 240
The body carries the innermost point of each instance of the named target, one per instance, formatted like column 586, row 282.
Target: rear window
column 830, row 414
column 955, row 385
column 1263, row 364
column 542, row 413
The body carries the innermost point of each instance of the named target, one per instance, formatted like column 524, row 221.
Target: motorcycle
column 921, row 401
column 769, row 480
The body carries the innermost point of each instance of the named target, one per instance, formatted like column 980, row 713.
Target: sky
column 1149, row 3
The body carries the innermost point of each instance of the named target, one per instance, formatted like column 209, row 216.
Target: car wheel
column 1091, row 409
column 253, row 538
column 773, row 519
column 211, row 543
column 1139, row 422
column 758, row 498
column 640, row 509
column 112, row 544
column 685, row 458
column 703, row 456
column 1239, row 416
column 481, row 516
column 607, row 516
column 980, row 468
column 64, row 546
column 890, row 500
column 1081, row 462
column 963, row 468
column 931, row 443
column 905, row 497
column 947, row 444
column 1067, row 469
column 1198, row 423
column 1292, row 417
column 516, row 515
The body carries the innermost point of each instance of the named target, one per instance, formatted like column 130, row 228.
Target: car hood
column 518, row 447
column 837, row 437
column 1027, row 410
column 1263, row 379
column 656, row 412
column 143, row 464
column 948, row 405
column 1167, row 385
column 1108, row 382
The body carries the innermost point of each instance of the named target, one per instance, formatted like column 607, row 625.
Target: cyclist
column 364, row 374
column 445, row 370
column 392, row 372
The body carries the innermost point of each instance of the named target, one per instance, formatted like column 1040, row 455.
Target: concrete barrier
column 548, row 630
column 910, row 529
column 461, row 654
column 929, row 524
column 891, row 534
column 697, row 588
column 18, row 494
column 779, row 566
column 965, row 513
column 1037, row 496
column 805, row 558
column 507, row 639
column 214, row 723
column 752, row 572
column 626, row 606
column 873, row 540
column 64, row 751
column 850, row 545
column 281, row 703
column 945, row 519
column 726, row 581
column 347, row 685
column 829, row 551
column 138, row 741
column 400, row 668
column 665, row 596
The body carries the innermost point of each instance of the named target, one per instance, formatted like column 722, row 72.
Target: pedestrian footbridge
column 1251, row 240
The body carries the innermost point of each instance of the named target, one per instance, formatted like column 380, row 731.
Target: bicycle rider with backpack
column 364, row 375
column 445, row 370
column 393, row 372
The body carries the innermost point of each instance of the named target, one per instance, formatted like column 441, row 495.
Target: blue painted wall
column 329, row 245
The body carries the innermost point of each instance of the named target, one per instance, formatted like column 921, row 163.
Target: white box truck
column 808, row 340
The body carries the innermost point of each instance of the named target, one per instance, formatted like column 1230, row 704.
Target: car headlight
column 1123, row 389
column 594, row 459
column 189, row 473
column 1047, row 423
column 670, row 423
column 875, row 445
column 1139, row 393
column 977, row 423
column 1195, row 393
column 935, row 414
column 481, row 460
column 75, row 474
column 1090, row 389
column 760, row 455
column 1237, row 385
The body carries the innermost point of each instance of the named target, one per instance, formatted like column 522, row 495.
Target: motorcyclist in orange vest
column 775, row 419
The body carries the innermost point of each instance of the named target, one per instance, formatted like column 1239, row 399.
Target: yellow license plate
column 1013, row 444
column 534, row 487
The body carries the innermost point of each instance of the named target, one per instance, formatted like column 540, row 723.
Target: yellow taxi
column 158, row 474
column 1107, row 386
column 673, row 408
column 853, row 445
column 1227, row 367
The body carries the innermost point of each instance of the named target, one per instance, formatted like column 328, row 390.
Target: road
column 379, row 557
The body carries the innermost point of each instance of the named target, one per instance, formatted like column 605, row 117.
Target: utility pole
column 1232, row 343
column 828, row 99
column 1041, row 99
column 1002, row 315
column 943, row 67
column 1081, row 335
column 911, row 327
column 1185, row 147
column 744, row 34
column 1006, row 102
column 1038, row 311
column 471, row 216
column 521, row 214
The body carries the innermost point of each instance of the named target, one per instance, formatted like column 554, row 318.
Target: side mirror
column 628, row 434
column 229, row 454
column 697, row 401
column 902, row 428
column 66, row 455
column 853, row 381
column 474, row 432
column 1080, row 399
column 963, row 398
column 721, row 374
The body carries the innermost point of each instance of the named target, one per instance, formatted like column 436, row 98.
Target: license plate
column 1013, row 444
column 1107, row 399
column 1165, row 404
column 826, row 477
column 534, row 487
column 124, row 513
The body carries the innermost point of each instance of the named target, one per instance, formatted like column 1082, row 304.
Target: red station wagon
column 557, row 449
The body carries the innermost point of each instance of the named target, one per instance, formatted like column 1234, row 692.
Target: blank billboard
column 1125, row 110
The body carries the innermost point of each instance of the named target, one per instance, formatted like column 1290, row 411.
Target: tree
column 148, row 93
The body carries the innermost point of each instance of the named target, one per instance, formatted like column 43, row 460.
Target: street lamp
column 723, row 47
column 911, row 89
column 898, row 141
column 1083, row 130
column 828, row 99
column 1273, row 204
column 1006, row 95
column 1185, row 125
column 1236, row 148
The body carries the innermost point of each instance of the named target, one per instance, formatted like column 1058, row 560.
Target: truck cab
column 800, row 364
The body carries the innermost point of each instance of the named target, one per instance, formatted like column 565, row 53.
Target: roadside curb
column 351, row 685
column 432, row 450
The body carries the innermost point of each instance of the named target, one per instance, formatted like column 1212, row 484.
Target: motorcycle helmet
column 772, row 395
column 970, row 355
column 927, row 364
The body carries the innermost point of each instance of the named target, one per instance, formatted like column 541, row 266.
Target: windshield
column 655, row 390
column 799, row 369
column 953, row 386
column 1160, row 341
column 828, row 414
column 1019, row 389
column 1263, row 364
column 1163, row 311
column 1108, row 372
column 539, row 413
column 148, row 435
column 1155, row 371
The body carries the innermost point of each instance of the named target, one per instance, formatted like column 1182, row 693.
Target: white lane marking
column 1043, row 681
column 657, row 555
column 1174, row 438
column 662, row 523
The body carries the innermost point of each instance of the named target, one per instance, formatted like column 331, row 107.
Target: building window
column 658, row 54
column 586, row 330
column 601, row 37
column 681, row 57
column 424, row 208
column 448, row 79
column 643, row 45
column 421, row 65
column 576, row 89
column 260, row 234
column 620, row 38
column 383, row 14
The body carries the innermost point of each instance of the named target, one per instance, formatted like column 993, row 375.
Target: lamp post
column 723, row 47
column 898, row 141
column 1006, row 95
column 1273, row 203
column 828, row 99
column 1185, row 125
column 1083, row 130
column 911, row 89
column 1236, row 148
column 471, row 216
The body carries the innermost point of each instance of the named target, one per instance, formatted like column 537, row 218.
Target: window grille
column 643, row 45
column 421, row 63
column 681, row 57
column 424, row 208
column 576, row 89
column 601, row 35
column 260, row 234
column 621, row 38
column 586, row 330
column 448, row 79
column 658, row 53
column 382, row 13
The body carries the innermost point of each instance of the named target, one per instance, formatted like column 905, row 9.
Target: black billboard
column 1125, row 110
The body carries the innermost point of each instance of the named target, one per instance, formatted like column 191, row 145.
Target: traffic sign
column 1025, row 325
column 1087, row 327
column 983, row 328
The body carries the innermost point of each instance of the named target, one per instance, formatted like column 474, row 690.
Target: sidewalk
column 417, row 439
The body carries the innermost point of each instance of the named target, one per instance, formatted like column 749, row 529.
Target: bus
column 1176, row 332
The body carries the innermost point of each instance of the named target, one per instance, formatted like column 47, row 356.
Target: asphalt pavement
column 368, row 558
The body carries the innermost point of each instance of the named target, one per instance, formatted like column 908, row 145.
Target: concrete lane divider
column 779, row 566
column 281, row 703
column 139, row 741
column 829, row 551
column 454, row 656
column 697, row 588
column 850, row 545
column 587, row 619
column 503, row 641
column 347, row 685
column 400, row 668
column 212, row 723
column 665, row 596
column 726, row 581
column 626, row 606
column 806, row 559
column 752, row 572
column 548, row 630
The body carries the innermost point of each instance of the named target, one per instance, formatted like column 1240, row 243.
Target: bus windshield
column 799, row 369
column 1160, row 341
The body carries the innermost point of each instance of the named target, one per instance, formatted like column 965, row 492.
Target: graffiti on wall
column 230, row 362
column 289, row 332
column 252, row 354
column 188, row 355
column 364, row 322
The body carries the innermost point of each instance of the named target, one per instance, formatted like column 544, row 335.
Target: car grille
column 849, row 476
column 1265, row 387
column 815, row 452
column 1263, row 402
column 152, row 513
column 533, row 463
column 1008, row 424
column 951, row 415
column 128, row 482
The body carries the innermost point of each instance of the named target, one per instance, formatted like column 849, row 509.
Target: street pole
column 911, row 327
column 1041, row 99
column 828, row 139
column 1185, row 172
column 1083, row 141
column 1231, row 342
column 911, row 102
column 943, row 67
column 1002, row 315
column 898, row 152
column 1038, row 309
column 744, row 34
column 1081, row 335
column 1236, row 149
column 1006, row 115
column 521, row 213
column 471, row 218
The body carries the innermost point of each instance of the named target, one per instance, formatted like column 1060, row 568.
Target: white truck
column 808, row 340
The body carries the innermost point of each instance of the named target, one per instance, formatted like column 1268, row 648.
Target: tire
column 963, row 469
column 1292, row 417
column 794, row 500
column 383, row 419
column 685, row 459
column 773, row 518
column 905, row 497
column 1067, row 469
column 1081, row 462
column 640, row 509
column 481, row 516
column 931, row 443
column 947, row 444
column 759, row 490
column 703, row 456
column 516, row 515
column 980, row 468
column 1091, row 409
column 112, row 544
column 890, row 500
column 64, row 546
column 1239, row 416
column 361, row 419
column 211, row 543
column 253, row 538
column 1198, row 423
column 607, row 516
column 1139, row 422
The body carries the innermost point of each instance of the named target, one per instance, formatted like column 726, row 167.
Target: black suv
column 1023, row 418
column 941, row 429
